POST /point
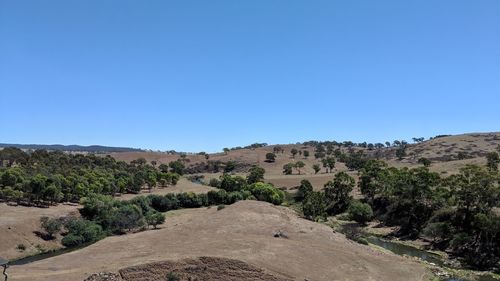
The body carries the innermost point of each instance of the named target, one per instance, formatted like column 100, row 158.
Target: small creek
column 46, row 255
column 401, row 249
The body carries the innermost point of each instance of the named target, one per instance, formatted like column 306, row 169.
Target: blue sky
column 203, row 75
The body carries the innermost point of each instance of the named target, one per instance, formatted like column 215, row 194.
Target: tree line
column 42, row 177
column 103, row 215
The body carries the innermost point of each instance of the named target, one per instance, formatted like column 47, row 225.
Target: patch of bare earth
column 17, row 226
column 203, row 268
column 242, row 231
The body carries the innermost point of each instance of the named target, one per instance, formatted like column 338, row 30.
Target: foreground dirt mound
column 203, row 268
column 104, row 276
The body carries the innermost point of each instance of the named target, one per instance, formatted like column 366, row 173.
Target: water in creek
column 46, row 255
column 401, row 249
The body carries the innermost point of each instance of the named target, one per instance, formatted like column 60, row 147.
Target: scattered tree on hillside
column 288, row 168
column 306, row 153
column 270, row 157
column 226, row 150
column 337, row 193
column 294, row 152
column 51, row 226
column 230, row 166
column 299, row 165
column 401, row 151
column 329, row 164
column 424, row 161
column 316, row 168
column 314, row 206
column 492, row 161
column 319, row 151
column 278, row 149
column 177, row 167
column 256, row 175
column 304, row 189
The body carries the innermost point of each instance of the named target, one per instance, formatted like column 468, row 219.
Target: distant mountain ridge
column 80, row 148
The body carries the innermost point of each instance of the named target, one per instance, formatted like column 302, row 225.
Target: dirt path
column 242, row 231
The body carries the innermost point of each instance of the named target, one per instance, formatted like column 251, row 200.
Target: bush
column 220, row 207
column 155, row 218
column 214, row 182
column 314, row 205
column 173, row 277
column 360, row 212
column 304, row 189
column 267, row 192
column 72, row 240
column 164, row 203
column 232, row 183
column 21, row 247
column 126, row 217
column 50, row 226
column 81, row 231
column 256, row 175
column 191, row 200
column 217, row 197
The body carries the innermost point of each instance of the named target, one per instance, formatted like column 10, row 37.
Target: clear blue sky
column 203, row 75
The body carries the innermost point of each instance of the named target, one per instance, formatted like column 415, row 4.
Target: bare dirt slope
column 242, row 231
column 203, row 268
column 17, row 224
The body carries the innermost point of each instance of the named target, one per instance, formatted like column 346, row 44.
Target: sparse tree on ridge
column 299, row 165
column 306, row 154
column 329, row 164
column 288, row 168
column 424, row 161
column 316, row 168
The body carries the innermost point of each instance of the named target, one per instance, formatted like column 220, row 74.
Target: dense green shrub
column 360, row 212
column 81, row 231
column 232, row 183
column 126, row 217
column 214, row 182
column 266, row 192
column 50, row 225
column 154, row 218
column 304, row 189
column 314, row 205
column 164, row 203
column 256, row 174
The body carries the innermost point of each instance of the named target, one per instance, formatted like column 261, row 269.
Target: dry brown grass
column 17, row 224
column 242, row 231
